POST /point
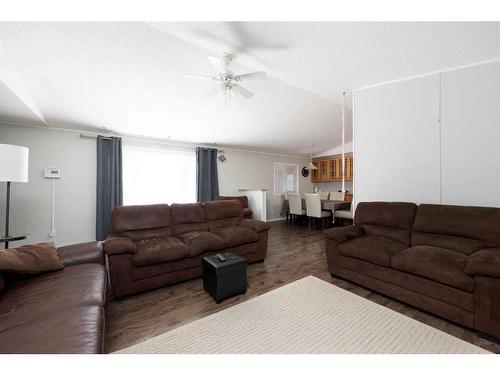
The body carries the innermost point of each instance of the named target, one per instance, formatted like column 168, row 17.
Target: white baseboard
column 276, row 219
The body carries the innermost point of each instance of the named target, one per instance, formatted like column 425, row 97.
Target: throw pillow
column 31, row 259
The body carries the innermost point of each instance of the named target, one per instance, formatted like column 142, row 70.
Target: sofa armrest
column 343, row 234
column 255, row 225
column 484, row 263
column 119, row 245
column 87, row 252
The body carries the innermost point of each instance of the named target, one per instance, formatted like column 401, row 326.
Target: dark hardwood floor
column 294, row 252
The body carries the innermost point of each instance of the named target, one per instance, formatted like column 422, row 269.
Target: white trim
column 459, row 67
column 276, row 219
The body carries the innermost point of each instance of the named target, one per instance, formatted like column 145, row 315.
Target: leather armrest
column 255, row 225
column 87, row 252
column 343, row 234
column 119, row 245
column 484, row 263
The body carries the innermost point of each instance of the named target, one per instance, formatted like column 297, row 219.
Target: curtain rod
column 149, row 143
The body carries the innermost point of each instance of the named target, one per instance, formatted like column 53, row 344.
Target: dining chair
column 324, row 195
column 314, row 211
column 343, row 215
column 337, row 195
column 295, row 206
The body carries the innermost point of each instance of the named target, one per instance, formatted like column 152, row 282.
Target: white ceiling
column 128, row 77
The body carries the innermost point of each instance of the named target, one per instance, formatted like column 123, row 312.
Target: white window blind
column 157, row 175
column 286, row 178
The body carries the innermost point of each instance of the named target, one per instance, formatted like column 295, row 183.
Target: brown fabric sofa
column 442, row 259
column 247, row 212
column 156, row 245
column 57, row 312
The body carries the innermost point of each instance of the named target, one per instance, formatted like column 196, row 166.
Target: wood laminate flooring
column 293, row 253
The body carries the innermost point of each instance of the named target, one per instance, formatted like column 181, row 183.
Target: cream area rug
column 305, row 316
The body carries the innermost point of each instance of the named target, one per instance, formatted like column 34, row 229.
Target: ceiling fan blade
column 194, row 76
column 242, row 91
column 251, row 76
column 218, row 64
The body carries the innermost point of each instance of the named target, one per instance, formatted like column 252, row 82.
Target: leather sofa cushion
column 480, row 223
column 46, row 294
column 435, row 263
column 236, row 235
column 372, row 249
column 131, row 218
column 86, row 252
column 70, row 331
column 119, row 245
column 200, row 242
column 158, row 250
column 31, row 259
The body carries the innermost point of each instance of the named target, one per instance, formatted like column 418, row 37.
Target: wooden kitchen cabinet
column 330, row 169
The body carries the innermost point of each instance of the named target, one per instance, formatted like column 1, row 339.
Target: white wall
column 75, row 191
column 248, row 170
column 433, row 139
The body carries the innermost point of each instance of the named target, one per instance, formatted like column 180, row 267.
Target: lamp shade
column 13, row 163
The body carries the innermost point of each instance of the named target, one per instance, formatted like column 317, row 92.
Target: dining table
column 326, row 204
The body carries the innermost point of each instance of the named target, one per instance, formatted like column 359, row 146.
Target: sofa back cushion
column 223, row 213
column 142, row 221
column 391, row 220
column 461, row 228
column 188, row 217
column 242, row 198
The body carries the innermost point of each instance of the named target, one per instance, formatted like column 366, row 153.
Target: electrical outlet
column 52, row 233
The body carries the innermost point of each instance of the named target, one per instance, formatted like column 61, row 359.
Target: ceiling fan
column 227, row 83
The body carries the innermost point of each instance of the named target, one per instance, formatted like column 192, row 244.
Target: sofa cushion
column 484, row 263
column 466, row 246
column 372, row 249
column 158, row 250
column 76, row 330
column 242, row 198
column 223, row 213
column 44, row 295
column 392, row 220
column 188, row 217
column 131, row 218
column 247, row 212
column 480, row 223
column 200, row 242
column 31, row 259
column 236, row 235
column 435, row 263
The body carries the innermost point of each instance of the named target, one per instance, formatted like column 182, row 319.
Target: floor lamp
column 13, row 168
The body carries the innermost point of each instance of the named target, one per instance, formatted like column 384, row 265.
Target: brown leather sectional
column 57, row 312
column 440, row 258
column 156, row 245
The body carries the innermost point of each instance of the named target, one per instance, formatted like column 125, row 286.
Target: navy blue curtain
column 207, row 179
column 109, row 182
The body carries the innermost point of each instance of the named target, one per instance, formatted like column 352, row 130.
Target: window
column 158, row 175
column 286, row 178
